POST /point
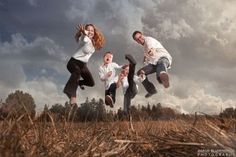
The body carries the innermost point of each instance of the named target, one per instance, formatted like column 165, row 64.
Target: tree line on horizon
column 20, row 104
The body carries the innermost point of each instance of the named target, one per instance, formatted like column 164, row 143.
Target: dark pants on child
column 161, row 65
column 77, row 69
column 131, row 90
column 111, row 91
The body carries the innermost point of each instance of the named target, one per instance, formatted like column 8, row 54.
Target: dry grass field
column 164, row 138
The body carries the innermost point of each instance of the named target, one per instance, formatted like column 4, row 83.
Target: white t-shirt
column 104, row 69
column 125, row 83
column 85, row 49
column 157, row 51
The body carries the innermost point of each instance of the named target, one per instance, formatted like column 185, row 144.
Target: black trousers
column 77, row 69
column 111, row 91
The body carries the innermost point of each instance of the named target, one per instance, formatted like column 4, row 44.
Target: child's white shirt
column 104, row 69
column 125, row 83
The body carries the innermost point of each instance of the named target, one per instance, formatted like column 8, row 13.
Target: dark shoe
column 164, row 77
column 130, row 59
column 109, row 101
column 150, row 94
column 81, row 87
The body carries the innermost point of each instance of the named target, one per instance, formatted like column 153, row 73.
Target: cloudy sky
column 37, row 40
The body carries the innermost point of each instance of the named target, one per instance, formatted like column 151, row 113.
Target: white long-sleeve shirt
column 153, row 50
column 104, row 69
column 85, row 49
column 125, row 83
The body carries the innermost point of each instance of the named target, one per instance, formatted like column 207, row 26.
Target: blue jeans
column 162, row 65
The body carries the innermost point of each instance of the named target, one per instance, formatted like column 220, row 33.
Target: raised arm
column 116, row 66
column 120, row 78
column 80, row 30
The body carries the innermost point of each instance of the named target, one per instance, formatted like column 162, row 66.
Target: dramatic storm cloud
column 37, row 40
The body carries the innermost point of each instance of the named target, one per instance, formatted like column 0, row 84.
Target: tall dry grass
column 178, row 137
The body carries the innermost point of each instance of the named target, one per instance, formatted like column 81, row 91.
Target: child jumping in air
column 89, row 40
column 107, row 74
column 129, row 80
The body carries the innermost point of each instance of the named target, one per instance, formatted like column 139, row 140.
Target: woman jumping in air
column 89, row 40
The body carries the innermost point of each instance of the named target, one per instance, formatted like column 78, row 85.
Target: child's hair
column 125, row 66
column 108, row 52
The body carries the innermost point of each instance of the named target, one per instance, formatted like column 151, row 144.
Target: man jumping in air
column 156, row 59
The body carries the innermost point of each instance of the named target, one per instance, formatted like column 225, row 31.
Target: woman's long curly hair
column 98, row 38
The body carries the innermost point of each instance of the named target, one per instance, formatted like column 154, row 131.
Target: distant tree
column 1, row 103
column 92, row 110
column 143, row 113
column 100, row 110
column 85, row 111
column 58, row 111
column 143, row 109
column 134, row 112
column 120, row 114
column 110, row 116
column 154, row 112
column 2, row 115
column 148, row 110
column 158, row 111
column 167, row 113
column 19, row 103
column 44, row 115
column 228, row 113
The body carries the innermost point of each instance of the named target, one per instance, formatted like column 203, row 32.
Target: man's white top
column 153, row 50
column 85, row 49
column 125, row 83
column 104, row 69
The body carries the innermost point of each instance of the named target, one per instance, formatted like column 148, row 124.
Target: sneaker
column 150, row 94
column 81, row 87
column 165, row 79
column 109, row 101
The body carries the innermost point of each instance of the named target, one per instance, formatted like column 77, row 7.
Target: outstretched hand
column 80, row 28
column 121, row 76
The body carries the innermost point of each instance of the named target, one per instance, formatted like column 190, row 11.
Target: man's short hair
column 136, row 32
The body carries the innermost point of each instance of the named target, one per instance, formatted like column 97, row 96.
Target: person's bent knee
column 140, row 72
column 75, row 77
